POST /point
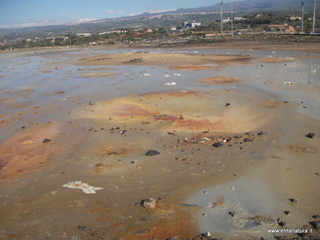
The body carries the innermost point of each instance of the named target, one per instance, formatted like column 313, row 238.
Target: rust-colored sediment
column 221, row 80
column 171, row 223
column 190, row 111
column 25, row 152
column 202, row 124
column 273, row 104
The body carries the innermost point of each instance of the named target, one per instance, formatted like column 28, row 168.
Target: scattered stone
column 152, row 153
column 281, row 223
column 46, row 140
column 144, row 219
column 260, row 133
column 144, row 231
column 228, row 104
column 172, row 133
column 206, row 235
column 316, row 224
column 148, row 203
column 231, row 214
column 287, row 212
column 173, row 238
column 316, row 216
column 23, row 127
column 122, row 132
column 217, row 145
column 247, row 140
column 261, row 219
column 310, row 135
column 60, row 92
column 135, row 60
column 83, row 228
column 293, row 200
column 316, row 173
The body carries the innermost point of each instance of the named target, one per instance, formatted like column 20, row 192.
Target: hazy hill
column 252, row 5
column 145, row 20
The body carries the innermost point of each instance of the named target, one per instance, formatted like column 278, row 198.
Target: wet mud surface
column 229, row 151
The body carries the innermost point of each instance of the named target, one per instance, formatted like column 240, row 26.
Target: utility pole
column 314, row 17
column 302, row 16
column 221, row 21
column 232, row 18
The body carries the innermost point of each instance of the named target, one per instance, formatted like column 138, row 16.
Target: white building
column 83, row 34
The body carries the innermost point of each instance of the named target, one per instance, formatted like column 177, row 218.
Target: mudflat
column 184, row 143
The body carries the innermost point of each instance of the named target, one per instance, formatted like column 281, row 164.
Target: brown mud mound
column 187, row 111
column 193, row 67
column 109, row 154
column 28, row 151
column 148, row 58
column 221, row 80
column 168, row 221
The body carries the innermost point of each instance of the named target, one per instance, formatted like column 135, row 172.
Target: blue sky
column 25, row 13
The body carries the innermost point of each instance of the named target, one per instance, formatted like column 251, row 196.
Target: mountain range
column 245, row 5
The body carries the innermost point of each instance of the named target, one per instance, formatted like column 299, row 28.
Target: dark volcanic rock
column 310, row 135
column 231, row 214
column 247, row 140
column 315, row 224
column 286, row 212
column 217, row 145
column 46, row 140
column 281, row 223
column 152, row 153
column 293, row 200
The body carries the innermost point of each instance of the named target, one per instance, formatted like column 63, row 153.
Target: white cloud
column 114, row 11
column 46, row 22
column 33, row 24
column 152, row 11
column 159, row 11
column 82, row 20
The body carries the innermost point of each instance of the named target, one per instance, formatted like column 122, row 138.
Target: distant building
column 190, row 25
column 259, row 15
column 83, row 34
column 294, row 18
column 227, row 20
column 280, row 28
column 103, row 33
column 239, row 18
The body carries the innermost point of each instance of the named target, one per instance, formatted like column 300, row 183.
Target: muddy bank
column 150, row 58
column 233, row 132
